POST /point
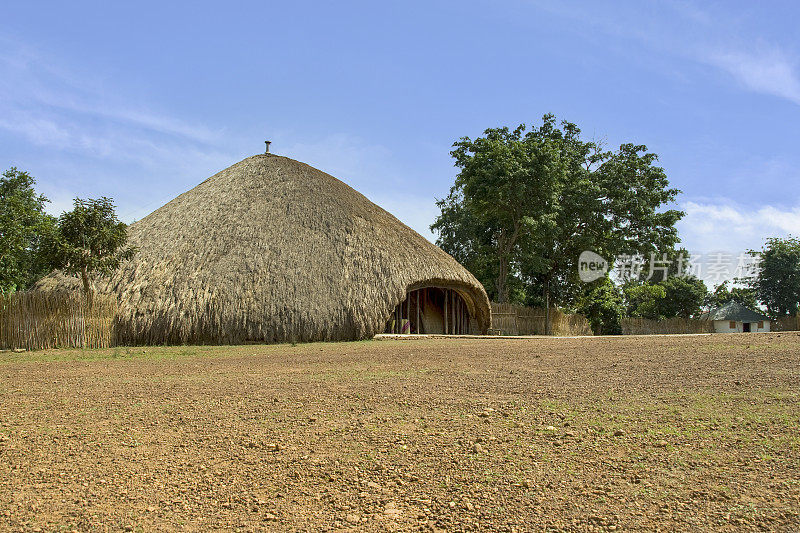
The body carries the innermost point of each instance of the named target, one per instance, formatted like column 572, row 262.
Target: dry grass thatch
column 511, row 319
column 273, row 250
column 670, row 326
column 38, row 321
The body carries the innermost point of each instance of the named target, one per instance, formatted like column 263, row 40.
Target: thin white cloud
column 82, row 125
column 38, row 130
column 72, row 134
column 69, row 114
column 125, row 115
column 699, row 33
column 769, row 71
column 51, row 106
column 734, row 228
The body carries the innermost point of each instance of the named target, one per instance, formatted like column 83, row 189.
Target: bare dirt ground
column 660, row 433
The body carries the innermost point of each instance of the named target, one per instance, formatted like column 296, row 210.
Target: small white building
column 733, row 317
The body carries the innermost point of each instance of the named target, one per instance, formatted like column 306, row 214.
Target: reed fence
column 512, row 319
column 669, row 326
column 39, row 321
column 786, row 323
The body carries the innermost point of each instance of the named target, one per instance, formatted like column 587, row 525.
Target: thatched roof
column 273, row 250
column 735, row 311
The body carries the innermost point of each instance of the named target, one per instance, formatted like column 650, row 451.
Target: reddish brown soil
column 668, row 433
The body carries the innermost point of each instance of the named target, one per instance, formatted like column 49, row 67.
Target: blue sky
column 141, row 101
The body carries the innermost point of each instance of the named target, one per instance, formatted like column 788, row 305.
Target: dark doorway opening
column 431, row 310
column 746, row 327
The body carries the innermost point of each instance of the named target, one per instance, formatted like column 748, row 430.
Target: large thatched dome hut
column 272, row 250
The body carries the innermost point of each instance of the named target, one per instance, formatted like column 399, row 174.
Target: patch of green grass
column 171, row 352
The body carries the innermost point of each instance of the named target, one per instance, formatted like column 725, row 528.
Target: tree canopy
column 723, row 294
column 673, row 296
column 499, row 199
column 527, row 202
column 683, row 297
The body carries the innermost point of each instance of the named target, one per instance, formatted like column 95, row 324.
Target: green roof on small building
column 734, row 311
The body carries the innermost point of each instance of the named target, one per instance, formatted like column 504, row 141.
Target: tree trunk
column 505, row 249
column 500, row 285
column 87, row 284
column 547, row 326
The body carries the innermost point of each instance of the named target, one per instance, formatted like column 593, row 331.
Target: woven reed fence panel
column 38, row 321
column 670, row 326
column 512, row 319
column 786, row 323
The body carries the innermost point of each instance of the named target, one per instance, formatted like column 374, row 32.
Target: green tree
column 90, row 241
column 777, row 284
column 611, row 203
column 662, row 288
column 569, row 222
column 674, row 296
column 23, row 225
column 471, row 242
column 602, row 304
column 683, row 297
column 644, row 300
column 499, row 198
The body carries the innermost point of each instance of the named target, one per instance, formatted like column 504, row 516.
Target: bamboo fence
column 39, row 320
column 786, row 323
column 670, row 326
column 512, row 319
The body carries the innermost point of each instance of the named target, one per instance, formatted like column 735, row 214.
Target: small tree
column 90, row 240
column 603, row 306
column 644, row 300
column 23, row 224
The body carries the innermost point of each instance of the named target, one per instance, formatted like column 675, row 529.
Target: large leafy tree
column 570, row 222
column 777, row 284
column 23, row 224
column 525, row 205
column 611, row 203
column 90, row 241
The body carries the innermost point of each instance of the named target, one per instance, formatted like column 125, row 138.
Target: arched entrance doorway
column 432, row 310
